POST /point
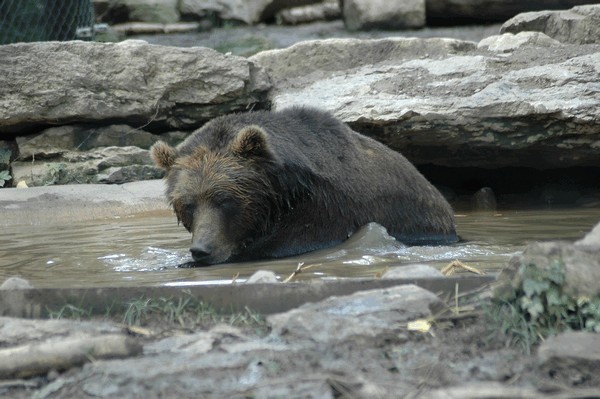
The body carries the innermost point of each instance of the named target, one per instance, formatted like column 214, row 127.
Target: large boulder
column 53, row 83
column 578, row 261
column 529, row 102
column 579, row 25
column 383, row 14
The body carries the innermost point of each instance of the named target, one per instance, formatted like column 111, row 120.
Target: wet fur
column 302, row 180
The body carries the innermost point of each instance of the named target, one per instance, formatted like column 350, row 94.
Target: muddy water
column 146, row 250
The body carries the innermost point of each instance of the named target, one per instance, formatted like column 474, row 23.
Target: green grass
column 182, row 312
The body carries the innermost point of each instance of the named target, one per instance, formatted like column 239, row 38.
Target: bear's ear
column 251, row 142
column 163, row 155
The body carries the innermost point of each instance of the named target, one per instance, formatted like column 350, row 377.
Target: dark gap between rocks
column 518, row 187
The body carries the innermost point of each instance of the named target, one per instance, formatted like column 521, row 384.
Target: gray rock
column 444, row 102
column 571, row 357
column 130, row 81
column 16, row 331
column 382, row 14
column 262, row 276
column 366, row 315
column 327, row 10
column 197, row 343
column 581, row 264
column 484, row 200
column 58, row 140
column 508, row 42
column 249, row 12
column 15, row 283
column 579, row 25
column 591, row 239
column 412, row 271
column 482, row 390
column 102, row 165
column 163, row 11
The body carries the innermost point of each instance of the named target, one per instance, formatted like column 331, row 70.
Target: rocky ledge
column 80, row 112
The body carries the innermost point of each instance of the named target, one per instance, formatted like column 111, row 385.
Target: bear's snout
column 200, row 253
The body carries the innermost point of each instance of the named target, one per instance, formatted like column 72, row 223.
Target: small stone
column 412, row 271
column 16, row 283
column 262, row 276
column 573, row 357
column 484, row 200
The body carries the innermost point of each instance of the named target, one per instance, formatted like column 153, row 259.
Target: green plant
column 185, row 312
column 5, row 156
column 56, row 171
column 70, row 312
column 182, row 312
column 4, row 177
column 538, row 307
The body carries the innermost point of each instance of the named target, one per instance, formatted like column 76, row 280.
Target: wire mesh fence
column 44, row 20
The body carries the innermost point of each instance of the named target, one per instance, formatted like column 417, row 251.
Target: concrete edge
column 52, row 205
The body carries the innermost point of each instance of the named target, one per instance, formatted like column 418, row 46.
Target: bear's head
column 222, row 196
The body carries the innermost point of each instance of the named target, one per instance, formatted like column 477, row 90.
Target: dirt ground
column 461, row 353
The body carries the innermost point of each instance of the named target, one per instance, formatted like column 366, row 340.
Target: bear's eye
column 228, row 205
column 186, row 216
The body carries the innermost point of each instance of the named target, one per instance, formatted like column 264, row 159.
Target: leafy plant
column 56, row 171
column 5, row 156
column 539, row 308
column 4, row 177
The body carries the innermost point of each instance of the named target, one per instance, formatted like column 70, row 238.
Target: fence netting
column 45, row 20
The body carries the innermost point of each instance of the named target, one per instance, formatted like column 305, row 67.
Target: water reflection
column 146, row 250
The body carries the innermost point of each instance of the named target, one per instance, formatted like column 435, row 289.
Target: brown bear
column 273, row 184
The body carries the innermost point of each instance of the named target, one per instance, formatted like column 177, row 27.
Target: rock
column 325, row 11
column 591, row 239
column 64, row 353
column 581, row 265
column 508, row 42
column 15, row 283
column 249, row 12
column 146, row 28
column 62, row 139
column 482, row 390
column 484, row 200
column 197, row 343
column 571, row 358
column 445, row 102
column 485, row 11
column 579, row 25
column 412, row 271
column 163, row 11
column 148, row 85
column 367, row 315
column 102, row 165
column 262, row 276
column 125, row 174
column 382, row 14
column 15, row 331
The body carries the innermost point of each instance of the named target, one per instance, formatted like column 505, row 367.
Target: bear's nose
column 199, row 252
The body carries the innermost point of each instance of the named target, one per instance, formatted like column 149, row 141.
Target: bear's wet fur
column 273, row 184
